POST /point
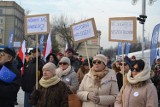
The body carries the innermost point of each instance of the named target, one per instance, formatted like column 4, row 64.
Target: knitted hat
column 10, row 51
column 128, row 61
column 65, row 59
column 50, row 67
column 100, row 57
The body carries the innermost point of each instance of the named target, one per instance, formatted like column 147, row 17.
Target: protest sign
column 84, row 30
column 122, row 29
column 36, row 24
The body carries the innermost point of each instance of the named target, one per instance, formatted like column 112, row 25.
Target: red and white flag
column 21, row 54
column 48, row 47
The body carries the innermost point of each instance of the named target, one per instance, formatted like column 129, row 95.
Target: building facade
column 11, row 20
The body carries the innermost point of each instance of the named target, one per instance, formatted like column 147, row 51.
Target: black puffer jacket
column 29, row 76
column 8, row 91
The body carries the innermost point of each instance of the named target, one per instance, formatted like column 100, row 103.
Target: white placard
column 84, row 30
column 37, row 24
column 122, row 29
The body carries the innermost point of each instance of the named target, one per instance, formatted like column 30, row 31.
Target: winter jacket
column 68, row 76
column 107, row 91
column 8, row 91
column 138, row 91
column 29, row 76
column 53, row 96
column 144, row 96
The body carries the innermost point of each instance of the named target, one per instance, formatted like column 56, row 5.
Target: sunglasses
column 62, row 63
column 97, row 62
column 120, row 64
column 135, row 69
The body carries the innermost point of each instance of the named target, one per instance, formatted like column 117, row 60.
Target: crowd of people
column 97, row 81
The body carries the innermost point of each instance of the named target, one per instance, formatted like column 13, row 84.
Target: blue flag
column 154, row 42
column 128, row 45
column 10, row 41
column 41, row 43
column 6, row 75
column 119, row 48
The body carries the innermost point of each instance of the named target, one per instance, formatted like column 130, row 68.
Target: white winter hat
column 65, row 59
column 100, row 57
column 50, row 67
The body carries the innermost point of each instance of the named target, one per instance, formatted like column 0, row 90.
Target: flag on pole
column 127, row 46
column 10, row 41
column 6, row 75
column 41, row 43
column 119, row 48
column 21, row 54
column 154, row 42
column 48, row 47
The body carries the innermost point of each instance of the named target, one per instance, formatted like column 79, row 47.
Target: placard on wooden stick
column 84, row 30
column 36, row 24
column 123, row 29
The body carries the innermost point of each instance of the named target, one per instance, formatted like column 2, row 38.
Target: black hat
column 10, row 51
column 70, row 50
column 128, row 61
column 34, row 50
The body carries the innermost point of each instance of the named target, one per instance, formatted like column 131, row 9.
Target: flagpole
column 87, row 55
column 36, row 61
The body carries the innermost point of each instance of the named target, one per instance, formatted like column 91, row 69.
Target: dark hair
column 140, row 64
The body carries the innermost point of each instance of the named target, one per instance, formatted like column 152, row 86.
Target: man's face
column 69, row 53
column 4, row 57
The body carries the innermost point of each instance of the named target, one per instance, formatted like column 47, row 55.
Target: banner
column 10, row 41
column 127, row 46
column 119, row 48
column 154, row 42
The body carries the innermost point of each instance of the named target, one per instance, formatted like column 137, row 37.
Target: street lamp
column 142, row 19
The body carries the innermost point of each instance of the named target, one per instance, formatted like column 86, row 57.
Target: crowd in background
column 97, row 81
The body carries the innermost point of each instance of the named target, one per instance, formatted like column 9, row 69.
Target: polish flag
column 48, row 47
column 21, row 54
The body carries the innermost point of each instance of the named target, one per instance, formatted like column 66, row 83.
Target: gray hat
column 65, row 59
column 50, row 67
column 101, row 57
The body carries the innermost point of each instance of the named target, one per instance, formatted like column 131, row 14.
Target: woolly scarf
column 142, row 76
column 98, row 76
column 60, row 72
column 49, row 82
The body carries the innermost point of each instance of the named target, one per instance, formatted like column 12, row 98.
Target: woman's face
column 98, row 65
column 63, row 65
column 135, row 70
column 86, row 66
column 51, row 58
column 47, row 74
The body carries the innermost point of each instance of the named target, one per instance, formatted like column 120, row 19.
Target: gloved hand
column 92, row 96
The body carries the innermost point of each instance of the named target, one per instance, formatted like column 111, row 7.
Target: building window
column 1, row 11
column 1, row 21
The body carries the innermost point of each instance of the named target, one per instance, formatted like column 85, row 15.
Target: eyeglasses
column 120, row 64
column 135, row 69
column 62, row 63
column 97, row 62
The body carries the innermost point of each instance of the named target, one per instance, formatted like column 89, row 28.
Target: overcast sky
column 101, row 10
